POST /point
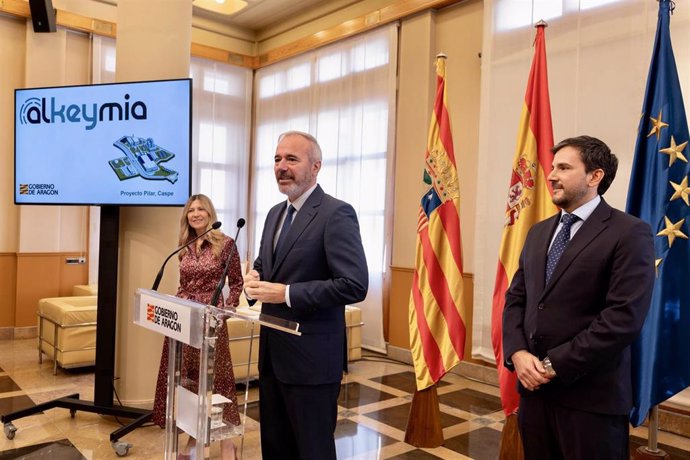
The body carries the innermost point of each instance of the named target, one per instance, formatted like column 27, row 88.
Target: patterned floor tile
column 7, row 384
column 480, row 444
column 404, row 381
column 14, row 404
column 352, row 439
column 56, row 450
column 397, row 417
column 415, row 455
column 472, row 401
column 354, row 395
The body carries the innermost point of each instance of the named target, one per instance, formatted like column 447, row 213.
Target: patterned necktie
column 559, row 244
column 286, row 226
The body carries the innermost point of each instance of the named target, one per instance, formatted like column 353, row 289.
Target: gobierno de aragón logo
column 37, row 111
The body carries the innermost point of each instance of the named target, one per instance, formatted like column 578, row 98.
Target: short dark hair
column 595, row 154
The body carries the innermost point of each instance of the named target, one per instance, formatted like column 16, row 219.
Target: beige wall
column 146, row 234
column 12, row 58
column 457, row 32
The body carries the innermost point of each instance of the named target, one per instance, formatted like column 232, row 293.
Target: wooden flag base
column 424, row 422
column 510, row 447
column 643, row 453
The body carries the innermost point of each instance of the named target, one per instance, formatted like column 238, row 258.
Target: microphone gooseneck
column 215, row 226
column 219, row 288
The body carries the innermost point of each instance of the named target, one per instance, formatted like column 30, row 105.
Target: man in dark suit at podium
column 576, row 303
column 310, row 265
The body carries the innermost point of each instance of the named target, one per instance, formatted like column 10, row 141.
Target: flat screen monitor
column 127, row 144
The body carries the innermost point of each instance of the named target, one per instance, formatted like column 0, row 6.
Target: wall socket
column 75, row 260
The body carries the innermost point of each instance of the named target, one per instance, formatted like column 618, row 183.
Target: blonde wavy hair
column 215, row 237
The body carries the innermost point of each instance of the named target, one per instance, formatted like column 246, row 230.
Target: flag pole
column 436, row 311
column 424, row 422
column 651, row 451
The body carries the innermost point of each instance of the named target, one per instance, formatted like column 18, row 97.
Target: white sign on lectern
column 171, row 316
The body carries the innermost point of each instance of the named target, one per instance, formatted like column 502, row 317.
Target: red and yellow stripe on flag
column 437, row 326
column 529, row 201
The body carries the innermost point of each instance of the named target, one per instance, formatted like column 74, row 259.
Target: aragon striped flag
column 437, row 325
column 529, row 201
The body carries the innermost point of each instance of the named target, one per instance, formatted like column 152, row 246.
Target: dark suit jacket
column 322, row 259
column 590, row 312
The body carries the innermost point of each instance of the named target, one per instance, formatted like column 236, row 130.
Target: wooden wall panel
column 398, row 325
column 8, row 288
column 397, row 318
column 38, row 276
column 71, row 274
column 43, row 275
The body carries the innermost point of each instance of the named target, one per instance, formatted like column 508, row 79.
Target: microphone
column 219, row 288
column 214, row 226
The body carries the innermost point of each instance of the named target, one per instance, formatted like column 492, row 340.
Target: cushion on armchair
column 75, row 321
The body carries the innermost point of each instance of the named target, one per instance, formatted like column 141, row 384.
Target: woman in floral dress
column 201, row 266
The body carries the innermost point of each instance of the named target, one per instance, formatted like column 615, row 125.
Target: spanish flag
column 529, row 201
column 437, row 325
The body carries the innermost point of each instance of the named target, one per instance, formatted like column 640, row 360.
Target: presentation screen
column 126, row 144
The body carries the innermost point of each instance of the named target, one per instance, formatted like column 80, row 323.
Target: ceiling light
column 226, row 7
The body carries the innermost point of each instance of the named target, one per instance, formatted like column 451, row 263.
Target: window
column 344, row 95
column 513, row 14
column 221, row 125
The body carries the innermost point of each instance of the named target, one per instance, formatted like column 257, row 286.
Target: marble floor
column 374, row 404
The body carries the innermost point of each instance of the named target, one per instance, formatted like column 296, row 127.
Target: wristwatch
column 548, row 367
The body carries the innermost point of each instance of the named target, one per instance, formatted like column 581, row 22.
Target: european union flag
column 659, row 194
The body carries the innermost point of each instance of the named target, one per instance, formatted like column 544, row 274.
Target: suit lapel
column 591, row 228
column 301, row 221
column 272, row 221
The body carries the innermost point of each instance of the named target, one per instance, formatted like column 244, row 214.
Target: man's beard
column 568, row 198
column 294, row 188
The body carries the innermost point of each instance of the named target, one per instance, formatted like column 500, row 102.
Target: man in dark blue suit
column 310, row 265
column 576, row 303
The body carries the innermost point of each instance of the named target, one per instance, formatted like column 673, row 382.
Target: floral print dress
column 200, row 272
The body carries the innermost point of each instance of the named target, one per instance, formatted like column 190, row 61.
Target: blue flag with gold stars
column 659, row 194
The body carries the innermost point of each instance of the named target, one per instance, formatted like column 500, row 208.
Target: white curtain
column 343, row 94
column 598, row 55
column 221, row 121
column 221, row 126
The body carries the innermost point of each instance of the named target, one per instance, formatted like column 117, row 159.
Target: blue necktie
column 286, row 226
column 559, row 244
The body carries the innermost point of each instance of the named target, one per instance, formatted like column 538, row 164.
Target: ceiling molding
column 219, row 55
column 395, row 11
column 304, row 17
